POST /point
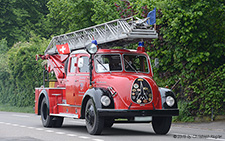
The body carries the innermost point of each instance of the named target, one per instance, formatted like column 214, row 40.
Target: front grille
column 141, row 92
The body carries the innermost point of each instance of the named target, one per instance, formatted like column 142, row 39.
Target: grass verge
column 9, row 108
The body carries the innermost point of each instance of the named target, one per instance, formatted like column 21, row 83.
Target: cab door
column 82, row 76
column 71, row 81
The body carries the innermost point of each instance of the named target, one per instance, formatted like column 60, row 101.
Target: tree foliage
column 104, row 11
column 21, row 73
column 66, row 15
column 191, row 44
column 19, row 17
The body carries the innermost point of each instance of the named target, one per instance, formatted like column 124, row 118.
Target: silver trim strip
column 56, row 94
column 50, row 88
column 65, row 115
column 69, row 105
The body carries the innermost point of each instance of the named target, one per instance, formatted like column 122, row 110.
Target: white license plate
column 149, row 118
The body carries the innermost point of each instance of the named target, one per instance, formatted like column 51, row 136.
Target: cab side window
column 72, row 64
column 83, row 64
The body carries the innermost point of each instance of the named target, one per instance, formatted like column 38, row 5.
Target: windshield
column 135, row 63
column 106, row 63
column 112, row 63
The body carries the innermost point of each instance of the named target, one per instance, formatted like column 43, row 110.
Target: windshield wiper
column 130, row 65
column 101, row 64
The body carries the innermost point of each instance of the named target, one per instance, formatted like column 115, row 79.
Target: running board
column 65, row 115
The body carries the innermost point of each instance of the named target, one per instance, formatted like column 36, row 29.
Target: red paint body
column 68, row 93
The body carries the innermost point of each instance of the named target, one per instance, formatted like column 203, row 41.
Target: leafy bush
column 23, row 73
column 208, row 94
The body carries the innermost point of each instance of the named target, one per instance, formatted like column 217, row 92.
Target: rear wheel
column 94, row 123
column 58, row 121
column 161, row 125
column 47, row 120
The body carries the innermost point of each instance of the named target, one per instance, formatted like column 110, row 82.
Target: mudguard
column 43, row 94
column 164, row 92
column 96, row 94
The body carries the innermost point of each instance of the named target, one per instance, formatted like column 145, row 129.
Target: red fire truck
column 88, row 79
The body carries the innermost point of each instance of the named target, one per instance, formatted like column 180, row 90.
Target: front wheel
column 94, row 123
column 108, row 123
column 161, row 125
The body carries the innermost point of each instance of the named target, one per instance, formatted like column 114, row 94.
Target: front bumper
column 122, row 113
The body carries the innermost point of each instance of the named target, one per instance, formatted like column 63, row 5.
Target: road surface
column 28, row 127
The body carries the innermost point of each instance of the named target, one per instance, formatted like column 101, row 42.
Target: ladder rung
column 143, row 33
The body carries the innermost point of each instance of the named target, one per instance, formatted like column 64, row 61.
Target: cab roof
column 108, row 51
column 118, row 51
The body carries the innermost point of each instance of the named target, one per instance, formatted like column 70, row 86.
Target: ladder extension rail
column 108, row 34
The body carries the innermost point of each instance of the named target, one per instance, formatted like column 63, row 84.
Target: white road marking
column 39, row 129
column 97, row 140
column 30, row 127
column 23, row 116
column 22, row 126
column 83, row 137
column 60, row 133
column 71, row 135
column 51, row 131
column 15, row 125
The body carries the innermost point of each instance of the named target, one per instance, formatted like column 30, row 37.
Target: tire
column 57, row 122
column 108, row 122
column 161, row 125
column 46, row 119
column 94, row 123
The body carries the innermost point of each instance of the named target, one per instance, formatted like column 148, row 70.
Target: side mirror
column 80, row 62
column 156, row 62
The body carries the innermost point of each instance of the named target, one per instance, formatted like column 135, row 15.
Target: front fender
column 164, row 92
column 96, row 94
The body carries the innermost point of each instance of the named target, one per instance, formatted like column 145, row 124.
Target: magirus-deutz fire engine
column 101, row 84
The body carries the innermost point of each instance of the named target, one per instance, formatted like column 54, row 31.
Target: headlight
column 105, row 100
column 170, row 101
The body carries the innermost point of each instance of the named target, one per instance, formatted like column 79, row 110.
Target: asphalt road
column 28, row 127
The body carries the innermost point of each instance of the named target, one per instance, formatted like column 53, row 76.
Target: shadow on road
column 114, row 131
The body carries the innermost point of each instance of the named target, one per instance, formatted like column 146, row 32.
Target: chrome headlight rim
column 170, row 101
column 105, row 100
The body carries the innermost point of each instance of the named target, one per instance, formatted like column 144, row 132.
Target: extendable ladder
column 114, row 33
